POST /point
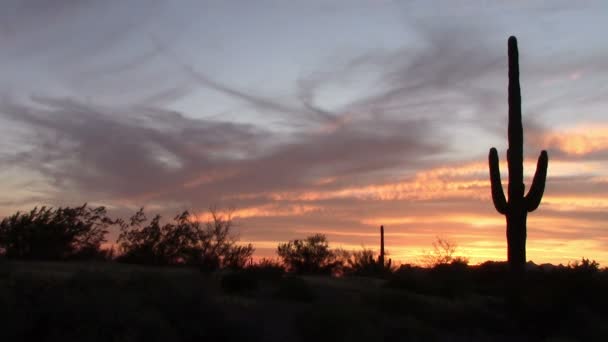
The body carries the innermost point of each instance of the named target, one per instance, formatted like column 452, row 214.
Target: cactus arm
column 517, row 206
column 498, row 195
column 538, row 183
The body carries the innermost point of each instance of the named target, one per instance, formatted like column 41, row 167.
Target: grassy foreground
column 112, row 302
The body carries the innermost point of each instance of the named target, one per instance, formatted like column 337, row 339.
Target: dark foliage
column 311, row 256
column 89, row 306
column 267, row 269
column 239, row 282
column 451, row 302
column 365, row 263
column 545, row 301
column 295, row 289
column 336, row 323
column 448, row 280
column 444, row 252
column 211, row 245
column 55, row 234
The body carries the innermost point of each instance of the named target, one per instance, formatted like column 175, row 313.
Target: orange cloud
column 469, row 180
column 209, row 177
column 477, row 229
column 580, row 140
column 268, row 210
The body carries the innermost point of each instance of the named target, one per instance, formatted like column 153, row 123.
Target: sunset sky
column 328, row 116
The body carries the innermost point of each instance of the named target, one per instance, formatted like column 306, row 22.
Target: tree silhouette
column 366, row 263
column 47, row 233
column 184, row 241
column 444, row 252
column 311, row 255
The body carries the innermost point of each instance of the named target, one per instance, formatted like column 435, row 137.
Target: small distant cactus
column 517, row 207
column 381, row 256
column 383, row 265
column 365, row 262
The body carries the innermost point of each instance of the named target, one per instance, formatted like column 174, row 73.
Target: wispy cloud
column 131, row 104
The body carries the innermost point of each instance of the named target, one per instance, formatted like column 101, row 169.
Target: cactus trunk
column 381, row 256
column 517, row 207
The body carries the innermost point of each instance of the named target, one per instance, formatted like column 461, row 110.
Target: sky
column 317, row 116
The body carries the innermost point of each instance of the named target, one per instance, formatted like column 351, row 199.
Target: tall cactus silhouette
column 381, row 256
column 517, row 207
column 382, row 264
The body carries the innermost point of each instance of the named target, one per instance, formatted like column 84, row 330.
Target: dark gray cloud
column 83, row 147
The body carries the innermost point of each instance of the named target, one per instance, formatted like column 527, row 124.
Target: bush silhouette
column 366, row 263
column 239, row 282
column 97, row 306
column 47, row 233
column 310, row 256
column 585, row 266
column 295, row 289
column 444, row 252
column 267, row 269
column 185, row 241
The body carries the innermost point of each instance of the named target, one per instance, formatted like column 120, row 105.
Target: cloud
column 142, row 151
column 389, row 135
column 82, row 146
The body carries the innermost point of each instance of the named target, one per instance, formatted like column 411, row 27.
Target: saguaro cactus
column 381, row 256
column 517, row 207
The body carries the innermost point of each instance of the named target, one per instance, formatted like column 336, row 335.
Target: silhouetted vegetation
column 444, row 252
column 294, row 288
column 517, row 208
column 311, row 256
column 365, row 263
column 267, row 269
column 62, row 233
column 211, row 245
column 450, row 301
column 241, row 282
column 111, row 304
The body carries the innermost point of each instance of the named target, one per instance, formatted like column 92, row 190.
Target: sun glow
column 580, row 140
column 552, row 230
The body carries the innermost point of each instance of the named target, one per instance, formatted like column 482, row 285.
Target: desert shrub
column 446, row 280
column 267, row 269
column 337, row 323
column 55, row 233
column 311, row 256
column 451, row 280
column 585, row 266
column 294, row 288
column 452, row 316
column 444, row 252
column 365, row 263
column 356, row 323
column 209, row 264
column 186, row 240
column 239, row 282
column 408, row 277
column 490, row 277
column 237, row 256
column 89, row 306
